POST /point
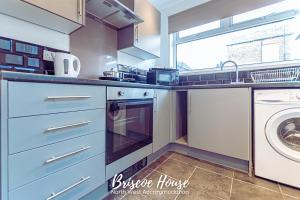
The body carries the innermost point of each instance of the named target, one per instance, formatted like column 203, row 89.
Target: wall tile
column 223, row 76
column 194, row 78
column 207, row 77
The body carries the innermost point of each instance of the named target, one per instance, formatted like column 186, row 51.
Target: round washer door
column 283, row 133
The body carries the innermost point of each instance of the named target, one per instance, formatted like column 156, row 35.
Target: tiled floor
column 206, row 182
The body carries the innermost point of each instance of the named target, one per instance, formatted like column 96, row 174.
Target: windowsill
column 251, row 67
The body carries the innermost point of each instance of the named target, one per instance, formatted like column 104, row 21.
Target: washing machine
column 277, row 135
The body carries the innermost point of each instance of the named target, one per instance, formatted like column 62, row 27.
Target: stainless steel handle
column 54, row 195
column 51, row 129
column 56, row 158
column 66, row 97
column 136, row 33
column 190, row 103
column 80, row 7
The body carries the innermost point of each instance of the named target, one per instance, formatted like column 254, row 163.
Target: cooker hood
column 112, row 12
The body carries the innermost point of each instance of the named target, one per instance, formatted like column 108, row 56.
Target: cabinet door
column 161, row 125
column 70, row 9
column 147, row 34
column 219, row 121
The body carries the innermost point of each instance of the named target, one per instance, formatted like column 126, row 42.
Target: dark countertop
column 28, row 77
column 40, row 78
column 242, row 85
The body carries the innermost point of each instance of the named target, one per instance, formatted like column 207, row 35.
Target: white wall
column 21, row 30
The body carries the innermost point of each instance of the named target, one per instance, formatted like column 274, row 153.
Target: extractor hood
column 112, row 12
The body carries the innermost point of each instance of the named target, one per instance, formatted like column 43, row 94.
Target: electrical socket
column 48, row 55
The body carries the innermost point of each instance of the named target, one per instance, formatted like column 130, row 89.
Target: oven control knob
column 146, row 94
column 120, row 93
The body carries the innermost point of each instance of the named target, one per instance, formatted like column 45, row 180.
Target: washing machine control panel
column 277, row 96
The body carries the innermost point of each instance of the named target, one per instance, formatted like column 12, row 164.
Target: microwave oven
column 163, row 76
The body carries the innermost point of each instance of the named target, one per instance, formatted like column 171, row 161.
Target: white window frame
column 227, row 26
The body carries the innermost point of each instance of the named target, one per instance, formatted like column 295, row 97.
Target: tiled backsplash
column 24, row 57
column 216, row 78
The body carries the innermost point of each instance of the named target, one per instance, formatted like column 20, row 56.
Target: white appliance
column 66, row 65
column 277, row 135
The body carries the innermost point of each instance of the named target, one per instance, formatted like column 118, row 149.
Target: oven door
column 129, row 126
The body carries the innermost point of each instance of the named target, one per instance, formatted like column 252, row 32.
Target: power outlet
column 48, row 55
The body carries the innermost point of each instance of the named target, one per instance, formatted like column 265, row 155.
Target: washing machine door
column 283, row 133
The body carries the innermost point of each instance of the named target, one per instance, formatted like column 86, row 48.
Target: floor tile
column 290, row 198
column 202, row 164
column 291, row 191
column 243, row 190
column 210, row 184
column 176, row 169
column 195, row 193
column 257, row 181
column 160, row 160
column 143, row 173
column 158, row 192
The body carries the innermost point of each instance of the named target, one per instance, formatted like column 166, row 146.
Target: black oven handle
column 133, row 103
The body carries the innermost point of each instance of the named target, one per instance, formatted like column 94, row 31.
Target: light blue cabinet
column 35, row 131
column 52, row 140
column 52, row 158
column 44, row 98
column 68, row 184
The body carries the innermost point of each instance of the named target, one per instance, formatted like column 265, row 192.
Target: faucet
column 236, row 68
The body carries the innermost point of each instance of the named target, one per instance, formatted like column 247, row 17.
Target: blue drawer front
column 27, row 99
column 31, row 132
column 93, row 168
column 31, row 165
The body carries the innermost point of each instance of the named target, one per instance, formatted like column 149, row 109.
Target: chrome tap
column 236, row 69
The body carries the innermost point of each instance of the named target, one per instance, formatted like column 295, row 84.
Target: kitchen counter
column 41, row 78
column 241, row 85
column 28, row 77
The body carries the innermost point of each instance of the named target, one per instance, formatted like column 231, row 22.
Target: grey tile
column 176, row 169
column 183, row 78
column 159, row 161
column 215, row 82
column 223, row 76
column 243, row 190
column 211, row 184
column 207, row 77
column 193, row 193
column 257, row 181
column 291, row 191
column 200, row 83
column 203, row 164
column 194, row 78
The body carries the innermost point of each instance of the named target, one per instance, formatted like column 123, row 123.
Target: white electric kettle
column 66, row 65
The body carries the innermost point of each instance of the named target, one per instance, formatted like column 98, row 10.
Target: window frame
column 227, row 26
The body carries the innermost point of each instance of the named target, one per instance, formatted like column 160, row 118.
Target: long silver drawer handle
column 66, row 126
column 54, row 195
column 66, row 97
column 56, row 158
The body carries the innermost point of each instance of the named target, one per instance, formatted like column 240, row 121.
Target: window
column 199, row 29
column 264, row 40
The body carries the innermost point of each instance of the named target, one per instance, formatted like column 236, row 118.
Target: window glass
column 267, row 43
column 200, row 29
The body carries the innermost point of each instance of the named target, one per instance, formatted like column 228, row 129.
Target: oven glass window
column 129, row 127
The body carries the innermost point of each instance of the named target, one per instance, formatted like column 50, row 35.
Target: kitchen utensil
column 66, row 65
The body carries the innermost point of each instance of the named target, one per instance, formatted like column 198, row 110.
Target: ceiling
column 171, row 7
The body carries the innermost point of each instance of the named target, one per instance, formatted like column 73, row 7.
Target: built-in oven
column 129, row 121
